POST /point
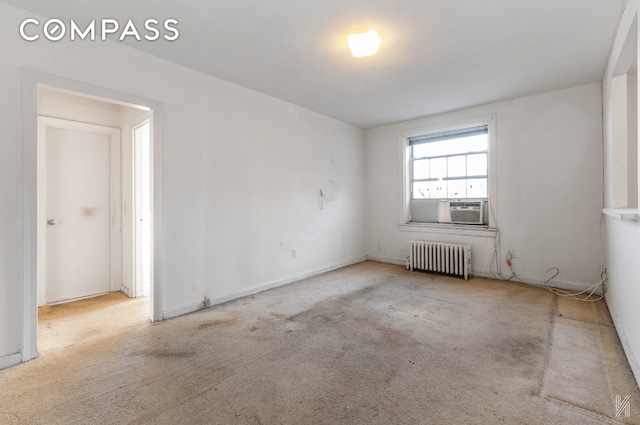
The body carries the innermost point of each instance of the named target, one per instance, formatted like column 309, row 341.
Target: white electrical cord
column 586, row 295
column 494, row 263
column 589, row 293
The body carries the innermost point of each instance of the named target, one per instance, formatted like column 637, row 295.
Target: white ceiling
column 436, row 56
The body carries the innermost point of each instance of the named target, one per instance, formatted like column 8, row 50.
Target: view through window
column 450, row 164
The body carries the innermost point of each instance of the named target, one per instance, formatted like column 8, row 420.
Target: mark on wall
column 329, row 185
column 334, row 173
column 89, row 212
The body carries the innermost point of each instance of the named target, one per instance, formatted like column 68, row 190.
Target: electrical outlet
column 379, row 246
column 293, row 253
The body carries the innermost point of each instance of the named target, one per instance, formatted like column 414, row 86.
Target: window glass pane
column 421, row 169
column 475, row 143
column 457, row 188
column 456, row 166
column 438, row 189
column 477, row 188
column 421, row 190
column 477, row 165
column 420, row 151
column 438, row 168
column 448, row 164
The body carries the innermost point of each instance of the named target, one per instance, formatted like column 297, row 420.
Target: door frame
column 31, row 80
column 115, row 198
column 137, row 158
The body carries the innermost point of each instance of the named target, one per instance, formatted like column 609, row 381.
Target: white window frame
column 405, row 178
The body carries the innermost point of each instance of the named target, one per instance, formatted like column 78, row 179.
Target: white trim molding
column 405, row 197
column 180, row 311
column 450, row 229
column 10, row 360
column 629, row 214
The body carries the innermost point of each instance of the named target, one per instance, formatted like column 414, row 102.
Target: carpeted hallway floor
column 367, row 344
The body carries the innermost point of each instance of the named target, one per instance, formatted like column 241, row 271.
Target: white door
column 80, row 211
column 142, row 196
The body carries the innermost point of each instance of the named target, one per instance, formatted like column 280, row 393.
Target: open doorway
column 94, row 214
column 90, row 174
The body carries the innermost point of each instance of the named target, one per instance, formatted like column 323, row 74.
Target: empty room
column 285, row 212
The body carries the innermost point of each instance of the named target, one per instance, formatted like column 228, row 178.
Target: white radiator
column 441, row 257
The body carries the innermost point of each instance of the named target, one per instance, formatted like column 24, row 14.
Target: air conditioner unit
column 467, row 212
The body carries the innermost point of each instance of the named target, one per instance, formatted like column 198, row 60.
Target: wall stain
column 89, row 212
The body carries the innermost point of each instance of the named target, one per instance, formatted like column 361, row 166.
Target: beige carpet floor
column 367, row 344
column 83, row 321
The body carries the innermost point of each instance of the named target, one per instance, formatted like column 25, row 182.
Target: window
column 450, row 164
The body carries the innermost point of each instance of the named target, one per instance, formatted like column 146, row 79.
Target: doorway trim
column 141, row 265
column 29, row 152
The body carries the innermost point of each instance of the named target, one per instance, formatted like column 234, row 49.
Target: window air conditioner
column 467, row 212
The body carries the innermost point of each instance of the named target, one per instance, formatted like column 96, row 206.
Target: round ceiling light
column 364, row 44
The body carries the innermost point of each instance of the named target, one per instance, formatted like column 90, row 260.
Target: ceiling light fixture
column 364, row 44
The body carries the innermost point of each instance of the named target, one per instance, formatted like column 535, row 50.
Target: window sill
column 450, row 229
column 627, row 214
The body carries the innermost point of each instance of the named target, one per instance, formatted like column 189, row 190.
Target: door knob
column 51, row 221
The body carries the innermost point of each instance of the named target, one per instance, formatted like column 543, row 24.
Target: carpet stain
column 164, row 354
column 330, row 350
column 522, row 349
column 321, row 320
column 521, row 354
column 216, row 323
column 8, row 419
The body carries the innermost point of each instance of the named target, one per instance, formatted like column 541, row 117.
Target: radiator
column 441, row 257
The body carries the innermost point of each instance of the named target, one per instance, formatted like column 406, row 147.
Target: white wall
column 549, row 187
column 10, row 219
column 241, row 176
column 622, row 236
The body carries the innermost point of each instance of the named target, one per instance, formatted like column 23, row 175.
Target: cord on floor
column 586, row 295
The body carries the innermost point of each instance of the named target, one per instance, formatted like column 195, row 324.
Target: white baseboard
column 628, row 349
column 180, row 311
column 10, row 360
column 387, row 260
column 125, row 290
column 569, row 286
